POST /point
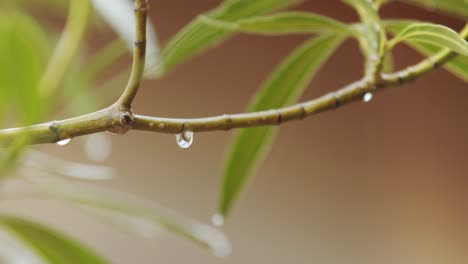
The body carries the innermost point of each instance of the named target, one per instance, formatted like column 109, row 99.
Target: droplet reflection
column 185, row 139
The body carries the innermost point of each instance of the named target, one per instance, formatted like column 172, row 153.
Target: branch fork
column 119, row 118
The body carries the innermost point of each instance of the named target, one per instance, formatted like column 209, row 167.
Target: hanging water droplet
column 184, row 139
column 64, row 142
column 217, row 220
column 367, row 97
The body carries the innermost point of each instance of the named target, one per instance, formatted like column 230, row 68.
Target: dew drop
column 64, row 142
column 367, row 97
column 217, row 220
column 184, row 139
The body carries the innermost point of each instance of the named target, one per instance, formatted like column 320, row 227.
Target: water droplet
column 185, row 139
column 217, row 220
column 367, row 97
column 64, row 142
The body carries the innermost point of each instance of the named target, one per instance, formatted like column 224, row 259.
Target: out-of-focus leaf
column 433, row 34
column 67, row 47
column 105, row 58
column 40, row 161
column 139, row 210
column 281, row 23
column 458, row 7
column 196, row 37
column 23, row 49
column 457, row 66
column 15, row 252
column 119, row 15
column 388, row 62
column 51, row 245
column 284, row 87
column 24, row 46
column 373, row 38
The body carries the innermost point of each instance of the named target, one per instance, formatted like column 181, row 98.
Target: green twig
column 119, row 119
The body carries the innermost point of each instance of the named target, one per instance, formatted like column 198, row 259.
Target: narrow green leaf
column 134, row 208
column 373, row 38
column 67, row 47
column 281, row 23
column 53, row 246
column 23, row 49
column 458, row 7
column 457, row 66
column 388, row 62
column 436, row 35
column 284, row 87
column 196, row 37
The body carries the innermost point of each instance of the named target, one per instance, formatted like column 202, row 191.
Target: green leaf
column 282, row 23
column 284, row 87
column 373, row 38
column 119, row 15
column 134, row 208
column 53, row 246
column 457, row 66
column 24, row 47
column 196, row 37
column 433, row 34
column 457, row 7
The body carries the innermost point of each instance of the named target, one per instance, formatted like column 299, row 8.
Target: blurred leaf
column 388, row 62
column 119, row 15
column 284, row 87
column 105, row 58
column 458, row 66
column 281, row 23
column 24, row 47
column 134, row 208
column 433, row 34
column 53, row 246
column 40, row 161
column 196, row 37
column 13, row 251
column 373, row 38
column 66, row 49
column 458, row 7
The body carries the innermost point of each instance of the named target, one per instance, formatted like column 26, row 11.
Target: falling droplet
column 217, row 220
column 367, row 97
column 184, row 139
column 64, row 142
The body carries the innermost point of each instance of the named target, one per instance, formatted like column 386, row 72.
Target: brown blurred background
column 381, row 182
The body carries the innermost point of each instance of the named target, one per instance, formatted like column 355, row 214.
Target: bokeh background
column 377, row 182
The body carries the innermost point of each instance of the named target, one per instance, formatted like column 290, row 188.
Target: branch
column 139, row 54
column 118, row 118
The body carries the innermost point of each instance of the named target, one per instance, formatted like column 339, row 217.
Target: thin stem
column 139, row 54
column 119, row 119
